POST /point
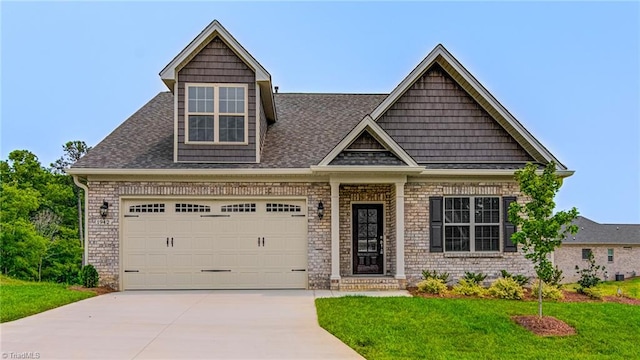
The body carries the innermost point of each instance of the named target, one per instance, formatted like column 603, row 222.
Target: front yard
column 629, row 288
column 23, row 298
column 434, row 328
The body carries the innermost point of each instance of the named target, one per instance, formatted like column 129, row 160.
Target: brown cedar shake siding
column 217, row 63
column 436, row 120
column 263, row 127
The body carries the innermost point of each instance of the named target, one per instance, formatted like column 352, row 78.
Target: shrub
column 473, row 277
column 592, row 292
column 520, row 279
column 506, row 289
column 89, row 276
column 469, row 288
column 432, row 286
column 548, row 291
column 554, row 278
column 589, row 275
column 427, row 274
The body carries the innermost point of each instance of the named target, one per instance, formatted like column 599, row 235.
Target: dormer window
column 216, row 113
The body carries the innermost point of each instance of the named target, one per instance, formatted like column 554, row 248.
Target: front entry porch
column 367, row 233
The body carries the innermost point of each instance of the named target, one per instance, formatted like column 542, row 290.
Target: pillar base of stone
column 335, row 284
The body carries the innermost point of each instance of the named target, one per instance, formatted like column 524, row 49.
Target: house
column 614, row 246
column 224, row 183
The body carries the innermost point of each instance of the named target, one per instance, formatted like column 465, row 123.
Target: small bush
column 89, row 276
column 548, row 291
column 427, row 274
column 520, row 279
column 592, row 292
column 589, row 275
column 506, row 289
column 432, row 286
column 554, row 278
column 473, row 277
column 469, row 288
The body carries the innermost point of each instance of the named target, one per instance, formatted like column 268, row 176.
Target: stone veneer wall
column 417, row 255
column 104, row 249
column 372, row 193
column 626, row 260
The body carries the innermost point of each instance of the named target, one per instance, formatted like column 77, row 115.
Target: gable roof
column 367, row 124
column 440, row 55
column 213, row 30
column 591, row 232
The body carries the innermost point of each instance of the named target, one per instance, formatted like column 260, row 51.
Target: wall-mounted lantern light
column 320, row 210
column 104, row 209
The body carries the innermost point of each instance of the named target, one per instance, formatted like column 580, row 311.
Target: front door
column 367, row 239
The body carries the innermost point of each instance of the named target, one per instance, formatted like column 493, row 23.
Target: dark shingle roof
column 308, row 127
column 591, row 232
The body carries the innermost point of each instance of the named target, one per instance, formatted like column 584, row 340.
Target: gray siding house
column 223, row 183
column 615, row 246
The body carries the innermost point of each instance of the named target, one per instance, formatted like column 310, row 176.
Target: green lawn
column 629, row 288
column 414, row 328
column 23, row 298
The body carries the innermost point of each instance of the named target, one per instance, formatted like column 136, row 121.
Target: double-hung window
column 216, row 113
column 472, row 224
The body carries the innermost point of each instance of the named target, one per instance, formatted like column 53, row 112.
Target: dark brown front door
column 367, row 239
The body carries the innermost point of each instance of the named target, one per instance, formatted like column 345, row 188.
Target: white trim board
column 367, row 124
column 168, row 74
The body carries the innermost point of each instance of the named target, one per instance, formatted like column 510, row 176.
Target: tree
column 20, row 242
column 540, row 231
column 47, row 224
column 38, row 234
column 73, row 151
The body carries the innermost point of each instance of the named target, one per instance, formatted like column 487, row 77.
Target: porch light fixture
column 320, row 210
column 104, row 209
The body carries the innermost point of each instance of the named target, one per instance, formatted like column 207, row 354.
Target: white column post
column 335, row 230
column 400, row 231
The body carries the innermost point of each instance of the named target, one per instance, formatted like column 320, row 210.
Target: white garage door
column 232, row 244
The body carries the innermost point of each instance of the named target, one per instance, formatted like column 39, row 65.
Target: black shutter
column 436, row 223
column 508, row 228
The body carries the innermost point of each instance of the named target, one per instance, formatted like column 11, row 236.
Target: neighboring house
column 223, row 183
column 615, row 246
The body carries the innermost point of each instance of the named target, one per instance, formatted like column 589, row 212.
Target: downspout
column 84, row 187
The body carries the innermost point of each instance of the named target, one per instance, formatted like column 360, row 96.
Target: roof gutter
column 416, row 170
column 368, row 169
column 188, row 172
column 485, row 172
column 85, row 233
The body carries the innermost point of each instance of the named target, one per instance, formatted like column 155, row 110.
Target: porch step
column 370, row 283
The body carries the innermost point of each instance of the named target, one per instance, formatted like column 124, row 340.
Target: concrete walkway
column 276, row 324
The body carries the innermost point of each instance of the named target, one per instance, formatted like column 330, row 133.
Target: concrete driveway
column 178, row 325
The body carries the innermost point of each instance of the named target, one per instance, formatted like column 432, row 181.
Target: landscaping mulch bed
column 544, row 326
column 622, row 300
column 547, row 325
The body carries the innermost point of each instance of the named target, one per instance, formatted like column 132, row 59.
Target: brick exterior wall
column 626, row 261
column 104, row 250
column 417, row 255
column 377, row 193
column 104, row 247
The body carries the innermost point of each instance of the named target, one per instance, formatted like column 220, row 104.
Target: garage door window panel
column 191, row 208
column 239, row 208
column 273, row 207
column 147, row 208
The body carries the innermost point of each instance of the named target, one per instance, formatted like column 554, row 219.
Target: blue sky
column 569, row 71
